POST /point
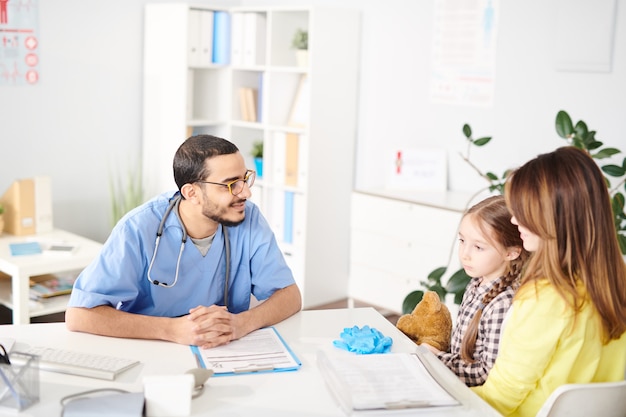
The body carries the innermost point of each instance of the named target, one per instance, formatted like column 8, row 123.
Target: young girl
column 568, row 319
column 491, row 251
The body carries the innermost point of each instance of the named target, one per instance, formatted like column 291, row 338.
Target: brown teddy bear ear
column 432, row 301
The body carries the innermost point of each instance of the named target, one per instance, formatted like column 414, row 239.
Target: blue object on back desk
column 363, row 340
column 25, row 248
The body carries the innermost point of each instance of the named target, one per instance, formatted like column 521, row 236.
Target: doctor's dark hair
column 189, row 160
column 494, row 221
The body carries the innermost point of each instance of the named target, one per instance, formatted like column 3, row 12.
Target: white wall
column 395, row 110
column 85, row 112
column 84, row 116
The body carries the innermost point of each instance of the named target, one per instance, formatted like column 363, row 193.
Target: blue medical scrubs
column 118, row 276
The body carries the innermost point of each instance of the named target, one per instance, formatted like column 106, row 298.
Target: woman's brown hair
column 562, row 198
column 494, row 220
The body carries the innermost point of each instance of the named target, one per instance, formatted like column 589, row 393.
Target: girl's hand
column 431, row 348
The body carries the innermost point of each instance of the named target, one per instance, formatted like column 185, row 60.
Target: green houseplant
column 300, row 42
column 126, row 193
column 576, row 135
column 257, row 154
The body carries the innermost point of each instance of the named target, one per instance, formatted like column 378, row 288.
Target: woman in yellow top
column 568, row 319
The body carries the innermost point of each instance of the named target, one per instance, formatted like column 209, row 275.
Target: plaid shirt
column 488, row 337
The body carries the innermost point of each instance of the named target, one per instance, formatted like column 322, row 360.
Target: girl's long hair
column 562, row 198
column 494, row 220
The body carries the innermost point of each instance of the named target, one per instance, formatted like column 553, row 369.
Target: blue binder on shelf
column 262, row 350
column 288, row 230
column 221, row 37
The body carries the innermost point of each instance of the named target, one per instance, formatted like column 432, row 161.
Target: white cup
column 168, row 395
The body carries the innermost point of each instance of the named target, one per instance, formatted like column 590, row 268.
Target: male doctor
column 177, row 287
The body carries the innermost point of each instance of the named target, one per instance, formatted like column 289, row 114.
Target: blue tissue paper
column 363, row 340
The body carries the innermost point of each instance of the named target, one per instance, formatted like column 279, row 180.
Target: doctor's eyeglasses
column 236, row 187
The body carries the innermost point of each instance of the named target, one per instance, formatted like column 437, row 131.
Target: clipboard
column 260, row 351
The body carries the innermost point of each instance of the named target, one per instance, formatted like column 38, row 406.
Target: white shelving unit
column 306, row 119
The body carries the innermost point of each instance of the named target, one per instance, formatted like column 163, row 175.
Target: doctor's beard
column 219, row 214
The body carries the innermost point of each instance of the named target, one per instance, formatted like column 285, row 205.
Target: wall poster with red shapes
column 19, row 42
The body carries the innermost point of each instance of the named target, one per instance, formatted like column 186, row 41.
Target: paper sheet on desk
column 382, row 382
column 260, row 351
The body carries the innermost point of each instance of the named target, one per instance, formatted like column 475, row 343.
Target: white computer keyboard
column 80, row 363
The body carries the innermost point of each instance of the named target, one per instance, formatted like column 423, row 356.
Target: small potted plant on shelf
column 257, row 154
column 300, row 43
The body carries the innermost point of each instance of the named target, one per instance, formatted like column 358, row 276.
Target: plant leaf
column 482, row 141
column 617, row 203
column 458, row 282
column 563, row 124
column 614, row 170
column 589, row 139
column 595, row 144
column 411, row 300
column 467, row 131
column 622, row 242
column 440, row 290
column 458, row 298
column 581, row 130
column 437, row 273
column 606, row 153
column 492, row 176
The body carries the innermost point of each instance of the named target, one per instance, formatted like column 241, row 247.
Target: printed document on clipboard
column 262, row 350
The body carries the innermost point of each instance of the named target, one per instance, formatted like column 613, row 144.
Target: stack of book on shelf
column 248, row 104
column 46, row 286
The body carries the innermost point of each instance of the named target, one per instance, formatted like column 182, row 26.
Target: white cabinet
column 396, row 241
column 305, row 115
column 14, row 293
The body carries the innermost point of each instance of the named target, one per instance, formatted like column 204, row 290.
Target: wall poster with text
column 19, row 42
column 464, row 52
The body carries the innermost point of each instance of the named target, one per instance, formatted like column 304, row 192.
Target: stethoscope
column 173, row 204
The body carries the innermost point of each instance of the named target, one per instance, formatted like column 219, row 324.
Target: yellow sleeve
column 537, row 322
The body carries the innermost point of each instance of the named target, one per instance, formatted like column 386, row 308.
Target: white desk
column 22, row 267
column 289, row 394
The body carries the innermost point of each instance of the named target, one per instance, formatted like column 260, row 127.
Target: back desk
column 299, row 393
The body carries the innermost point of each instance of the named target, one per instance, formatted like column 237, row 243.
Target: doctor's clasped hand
column 185, row 265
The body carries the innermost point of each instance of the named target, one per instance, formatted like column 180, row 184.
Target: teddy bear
column 430, row 322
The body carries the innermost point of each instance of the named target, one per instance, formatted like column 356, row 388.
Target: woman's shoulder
column 531, row 289
column 541, row 295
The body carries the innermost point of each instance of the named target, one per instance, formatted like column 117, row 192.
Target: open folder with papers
column 260, row 351
column 390, row 381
